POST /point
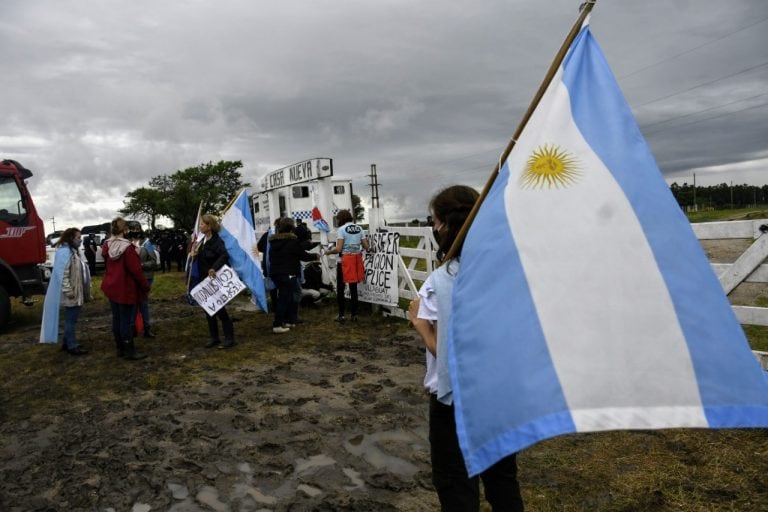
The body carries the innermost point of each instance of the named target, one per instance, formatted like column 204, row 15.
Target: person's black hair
column 451, row 207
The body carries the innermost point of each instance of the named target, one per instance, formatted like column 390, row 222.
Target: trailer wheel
column 5, row 307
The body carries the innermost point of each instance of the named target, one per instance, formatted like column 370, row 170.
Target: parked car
column 50, row 249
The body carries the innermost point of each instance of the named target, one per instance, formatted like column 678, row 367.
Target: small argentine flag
column 239, row 237
column 592, row 306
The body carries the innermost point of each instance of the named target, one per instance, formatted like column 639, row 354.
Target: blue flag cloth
column 49, row 328
column 318, row 220
column 591, row 306
column 237, row 232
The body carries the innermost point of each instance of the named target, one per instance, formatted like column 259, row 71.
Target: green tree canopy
column 143, row 203
column 358, row 210
column 178, row 195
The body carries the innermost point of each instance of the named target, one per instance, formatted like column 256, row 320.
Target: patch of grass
column 728, row 214
column 689, row 470
column 757, row 336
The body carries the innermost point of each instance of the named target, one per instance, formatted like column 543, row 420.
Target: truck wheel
column 5, row 307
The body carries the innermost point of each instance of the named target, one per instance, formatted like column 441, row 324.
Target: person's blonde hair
column 212, row 221
column 118, row 226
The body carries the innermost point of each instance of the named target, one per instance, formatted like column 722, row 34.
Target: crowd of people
column 290, row 264
column 289, row 260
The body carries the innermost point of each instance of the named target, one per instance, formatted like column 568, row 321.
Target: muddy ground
column 325, row 418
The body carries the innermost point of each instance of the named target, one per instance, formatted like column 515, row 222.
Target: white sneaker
column 289, row 325
column 280, row 330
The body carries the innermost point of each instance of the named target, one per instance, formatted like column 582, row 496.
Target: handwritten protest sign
column 213, row 293
column 381, row 269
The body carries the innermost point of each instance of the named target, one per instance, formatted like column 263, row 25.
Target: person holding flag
column 210, row 255
column 608, row 315
column 70, row 287
column 430, row 315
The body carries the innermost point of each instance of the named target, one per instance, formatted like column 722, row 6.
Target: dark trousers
column 340, row 300
column 458, row 492
column 287, row 307
column 165, row 261
column 144, row 309
column 71, row 313
column 122, row 321
column 226, row 323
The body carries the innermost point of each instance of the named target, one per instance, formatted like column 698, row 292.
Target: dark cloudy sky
column 98, row 96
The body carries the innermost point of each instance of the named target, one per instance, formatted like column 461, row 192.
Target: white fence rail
column 749, row 267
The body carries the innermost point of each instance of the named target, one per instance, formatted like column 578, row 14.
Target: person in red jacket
column 124, row 285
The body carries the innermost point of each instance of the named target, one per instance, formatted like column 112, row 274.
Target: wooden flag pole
column 191, row 257
column 226, row 208
column 586, row 8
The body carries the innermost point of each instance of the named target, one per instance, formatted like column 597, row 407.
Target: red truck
column 22, row 240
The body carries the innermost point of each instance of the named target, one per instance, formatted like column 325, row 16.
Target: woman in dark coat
column 211, row 255
column 285, row 257
column 124, row 285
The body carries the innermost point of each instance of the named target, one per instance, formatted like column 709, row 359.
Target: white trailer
column 293, row 191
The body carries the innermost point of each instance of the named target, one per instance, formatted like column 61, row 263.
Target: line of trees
column 178, row 195
column 719, row 196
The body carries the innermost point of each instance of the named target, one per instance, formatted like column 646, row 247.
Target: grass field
column 759, row 212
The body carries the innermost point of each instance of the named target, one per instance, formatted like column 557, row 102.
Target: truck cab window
column 12, row 208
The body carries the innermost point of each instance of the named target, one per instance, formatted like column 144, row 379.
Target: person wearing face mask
column 70, row 286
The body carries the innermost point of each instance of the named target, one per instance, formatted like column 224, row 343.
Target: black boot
column 120, row 348
column 148, row 333
column 130, row 351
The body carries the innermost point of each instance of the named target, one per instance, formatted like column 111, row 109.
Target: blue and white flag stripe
column 596, row 308
column 237, row 232
column 49, row 327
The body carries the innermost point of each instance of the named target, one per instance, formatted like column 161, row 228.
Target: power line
column 702, row 85
column 669, row 120
column 672, row 57
column 751, row 107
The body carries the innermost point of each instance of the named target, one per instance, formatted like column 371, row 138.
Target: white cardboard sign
column 381, row 269
column 213, row 293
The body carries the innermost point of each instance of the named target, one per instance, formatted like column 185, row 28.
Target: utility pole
column 374, row 187
column 695, row 206
column 731, row 194
column 53, row 220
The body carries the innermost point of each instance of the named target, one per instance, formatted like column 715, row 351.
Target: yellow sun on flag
column 549, row 166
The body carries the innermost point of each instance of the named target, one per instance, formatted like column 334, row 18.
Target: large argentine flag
column 584, row 301
column 239, row 237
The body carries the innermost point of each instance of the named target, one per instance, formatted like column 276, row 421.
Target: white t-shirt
column 428, row 311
